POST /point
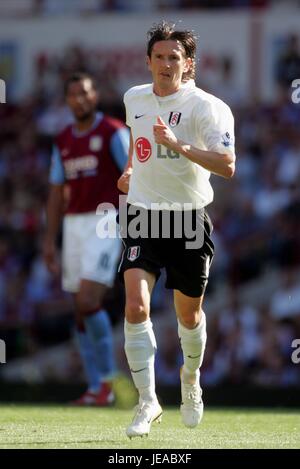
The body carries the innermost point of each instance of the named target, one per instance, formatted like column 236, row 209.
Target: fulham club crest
column 174, row 118
column 133, row 253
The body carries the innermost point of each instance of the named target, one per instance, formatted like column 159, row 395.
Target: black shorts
column 181, row 245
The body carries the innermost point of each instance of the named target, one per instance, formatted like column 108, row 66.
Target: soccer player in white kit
column 179, row 135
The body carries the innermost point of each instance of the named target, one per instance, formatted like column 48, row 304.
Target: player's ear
column 188, row 64
column 148, row 62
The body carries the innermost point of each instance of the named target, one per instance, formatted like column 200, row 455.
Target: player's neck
column 85, row 124
column 165, row 91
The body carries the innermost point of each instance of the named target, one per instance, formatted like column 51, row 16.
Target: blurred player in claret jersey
column 88, row 158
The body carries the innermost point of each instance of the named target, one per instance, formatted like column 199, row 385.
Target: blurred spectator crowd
column 256, row 220
column 21, row 8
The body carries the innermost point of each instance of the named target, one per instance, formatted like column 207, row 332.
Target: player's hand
column 163, row 134
column 50, row 257
column 124, row 180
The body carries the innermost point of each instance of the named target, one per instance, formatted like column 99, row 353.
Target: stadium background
column 248, row 55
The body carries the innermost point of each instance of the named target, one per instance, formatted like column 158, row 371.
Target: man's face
column 168, row 63
column 82, row 99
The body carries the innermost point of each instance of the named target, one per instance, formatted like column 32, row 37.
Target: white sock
column 140, row 348
column 193, row 343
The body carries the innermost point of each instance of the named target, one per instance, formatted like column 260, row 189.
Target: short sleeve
column 119, row 147
column 127, row 109
column 216, row 127
column 57, row 174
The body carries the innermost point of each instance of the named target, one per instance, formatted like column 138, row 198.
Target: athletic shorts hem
column 69, row 288
column 186, row 291
column 94, row 278
column 141, row 267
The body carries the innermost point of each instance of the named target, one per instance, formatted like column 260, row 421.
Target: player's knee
column 86, row 305
column 190, row 319
column 79, row 323
column 135, row 311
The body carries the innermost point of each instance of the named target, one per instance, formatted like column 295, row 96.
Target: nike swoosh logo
column 137, row 371
column 196, row 356
column 138, row 116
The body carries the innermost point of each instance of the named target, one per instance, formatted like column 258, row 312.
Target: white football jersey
column 160, row 175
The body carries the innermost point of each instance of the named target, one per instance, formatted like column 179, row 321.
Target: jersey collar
column 188, row 85
column 97, row 120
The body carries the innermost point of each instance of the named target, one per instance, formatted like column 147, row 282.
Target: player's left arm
column 222, row 164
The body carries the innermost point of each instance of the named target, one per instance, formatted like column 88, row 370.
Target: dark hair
column 79, row 76
column 166, row 31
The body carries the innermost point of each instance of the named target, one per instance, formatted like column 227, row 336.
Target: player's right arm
column 123, row 181
column 54, row 212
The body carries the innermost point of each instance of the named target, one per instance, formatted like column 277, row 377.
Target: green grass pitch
column 52, row 426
